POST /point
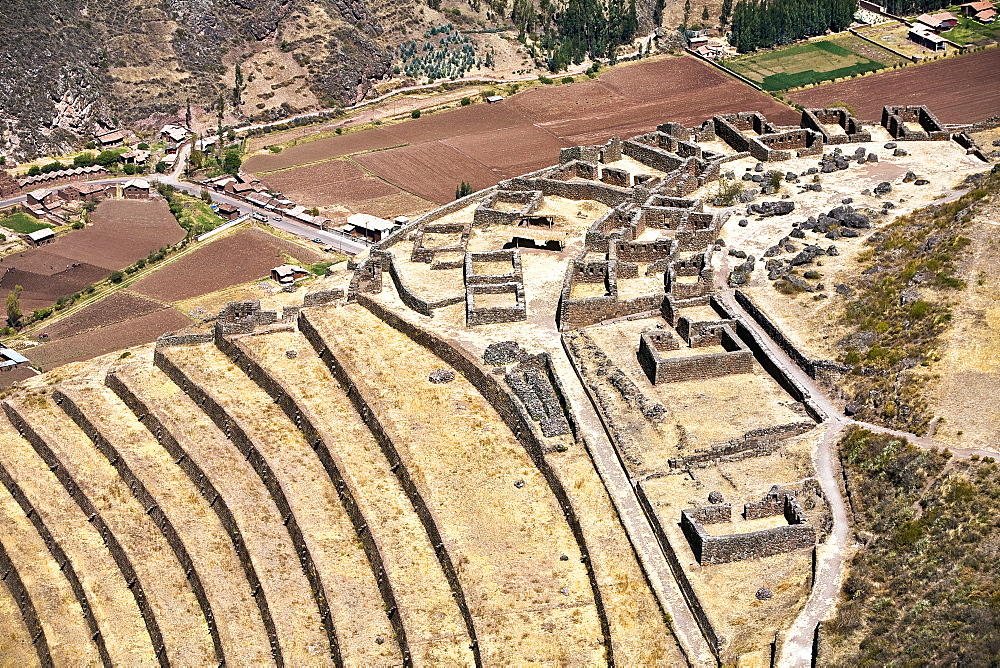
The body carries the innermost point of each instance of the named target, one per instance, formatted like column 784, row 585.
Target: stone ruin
column 736, row 358
column 913, row 123
column 479, row 284
column 722, row 549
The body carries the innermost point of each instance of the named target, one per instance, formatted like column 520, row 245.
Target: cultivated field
column 963, row 89
column 483, row 144
column 236, row 259
column 812, row 62
column 79, row 259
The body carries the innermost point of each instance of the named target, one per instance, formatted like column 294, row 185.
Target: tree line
column 761, row 24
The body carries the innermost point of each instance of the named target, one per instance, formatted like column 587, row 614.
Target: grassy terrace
column 114, row 606
column 897, row 329
column 528, row 604
column 240, row 626
column 355, row 602
column 69, row 641
column 184, row 629
column 23, row 223
column 812, row 62
column 924, row 589
column 285, row 587
column 435, row 631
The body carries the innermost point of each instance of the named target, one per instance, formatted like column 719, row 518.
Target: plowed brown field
column 230, row 261
column 963, row 89
column 485, row 143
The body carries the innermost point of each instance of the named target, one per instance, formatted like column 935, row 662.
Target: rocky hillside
column 70, row 67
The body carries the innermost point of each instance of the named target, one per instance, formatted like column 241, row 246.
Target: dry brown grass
column 18, row 651
column 284, row 584
column 355, row 602
column 181, row 621
column 506, row 541
column 58, row 610
column 114, row 607
column 435, row 630
column 240, row 625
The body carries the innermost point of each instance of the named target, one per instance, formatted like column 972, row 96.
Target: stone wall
column 754, row 443
column 594, row 190
column 488, row 315
column 510, row 411
column 736, row 359
column 305, row 421
column 60, row 557
column 775, row 333
column 88, row 508
column 321, row 297
column 486, row 215
column 216, row 501
column 931, row 129
column 236, row 434
column 709, row 549
column 155, row 512
column 652, row 156
column 29, row 614
column 815, row 119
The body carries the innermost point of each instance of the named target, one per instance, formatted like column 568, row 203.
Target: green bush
column 466, row 101
column 415, row 113
column 116, row 276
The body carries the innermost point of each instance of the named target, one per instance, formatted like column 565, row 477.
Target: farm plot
column 122, row 232
column 230, row 261
column 485, row 143
column 813, row 62
column 328, row 183
column 963, row 89
column 106, row 339
column 117, row 307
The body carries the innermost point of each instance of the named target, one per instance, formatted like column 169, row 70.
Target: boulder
column 798, row 234
column 743, row 222
column 872, row 157
column 832, row 251
column 439, row 376
column 890, row 145
column 759, row 167
column 502, row 353
column 899, row 153
column 883, row 188
column 921, row 182
column 909, row 177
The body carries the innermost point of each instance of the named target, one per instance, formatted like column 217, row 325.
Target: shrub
column 568, row 80
column 415, row 113
column 466, row 101
column 116, row 276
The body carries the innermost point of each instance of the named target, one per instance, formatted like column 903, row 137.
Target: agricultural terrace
column 964, row 89
column 813, row 62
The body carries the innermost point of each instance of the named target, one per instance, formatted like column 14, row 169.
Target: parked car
column 316, row 241
column 276, row 219
column 257, row 215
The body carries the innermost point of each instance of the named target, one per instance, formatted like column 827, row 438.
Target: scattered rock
column 890, row 145
column 747, row 176
column 849, row 232
column 439, row 376
column 921, row 182
column 853, row 408
column 738, row 253
column 743, row 222
column 872, row 157
column 772, row 208
column 291, row 354
column 519, row 484
column 909, row 177
column 715, row 497
column 832, row 251
column 563, row 557
column 833, row 234
column 812, row 274
column 798, row 234
column 883, row 188
column 843, row 289
column 866, row 192
column 502, row 353
column 772, row 251
column 847, row 200
column 899, row 153
column 759, row 167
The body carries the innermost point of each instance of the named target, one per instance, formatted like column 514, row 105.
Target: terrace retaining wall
column 148, row 418
column 90, row 510
column 235, row 432
column 63, row 561
column 520, row 424
column 155, row 512
column 11, row 578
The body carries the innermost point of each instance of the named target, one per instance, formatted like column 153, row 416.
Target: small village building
column 927, row 39
column 70, row 193
column 112, row 138
column 10, row 358
column 39, row 237
column 205, row 143
column 287, row 274
column 41, row 197
column 368, row 227
column 136, row 189
column 973, row 8
column 493, row 99
column 228, row 212
column 90, row 192
column 401, row 221
column 175, row 133
column 938, row 22
column 135, row 156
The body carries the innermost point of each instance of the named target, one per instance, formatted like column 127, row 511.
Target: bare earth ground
column 484, row 143
column 972, row 92
column 244, row 256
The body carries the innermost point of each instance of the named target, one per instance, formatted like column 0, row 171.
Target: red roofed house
column 939, row 22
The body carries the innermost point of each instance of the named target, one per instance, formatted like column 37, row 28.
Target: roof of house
column 111, row 137
column 925, row 33
column 934, row 20
column 12, row 355
column 986, row 14
column 369, row 222
column 175, row 132
column 142, row 184
column 227, row 208
column 88, row 188
column 39, row 235
column 40, row 193
column 289, row 270
column 979, row 6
